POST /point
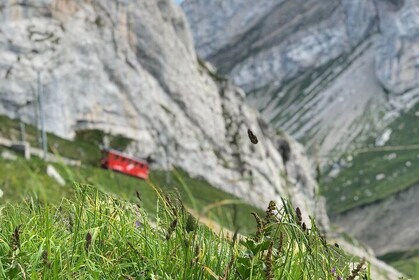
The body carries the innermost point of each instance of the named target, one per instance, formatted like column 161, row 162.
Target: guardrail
column 28, row 151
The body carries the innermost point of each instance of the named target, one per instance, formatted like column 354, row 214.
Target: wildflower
column 333, row 271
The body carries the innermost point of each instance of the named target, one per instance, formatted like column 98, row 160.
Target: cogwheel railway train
column 117, row 161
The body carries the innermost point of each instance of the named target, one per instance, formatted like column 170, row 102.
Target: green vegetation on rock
column 375, row 173
column 406, row 262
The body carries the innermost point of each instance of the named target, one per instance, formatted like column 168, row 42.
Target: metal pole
column 22, row 132
column 42, row 113
column 38, row 111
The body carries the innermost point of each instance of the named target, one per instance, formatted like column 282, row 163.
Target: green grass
column 32, row 180
column 359, row 181
column 406, row 262
column 97, row 236
column 110, row 232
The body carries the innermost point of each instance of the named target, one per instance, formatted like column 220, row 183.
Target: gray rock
column 53, row 173
column 259, row 43
column 296, row 59
column 397, row 62
column 8, row 155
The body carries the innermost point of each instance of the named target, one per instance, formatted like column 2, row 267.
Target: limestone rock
column 300, row 62
column 53, row 173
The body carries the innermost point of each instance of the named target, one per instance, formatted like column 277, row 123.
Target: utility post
column 22, row 132
column 36, row 116
column 42, row 115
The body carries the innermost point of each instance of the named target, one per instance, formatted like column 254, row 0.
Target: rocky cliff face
column 130, row 68
column 303, row 62
column 333, row 74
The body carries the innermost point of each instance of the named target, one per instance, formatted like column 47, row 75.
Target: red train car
column 125, row 164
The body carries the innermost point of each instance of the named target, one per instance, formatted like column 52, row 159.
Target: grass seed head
column 15, row 243
column 280, row 242
column 171, row 229
column 268, row 262
column 88, row 241
column 260, row 225
column 270, row 212
column 299, row 216
column 191, row 223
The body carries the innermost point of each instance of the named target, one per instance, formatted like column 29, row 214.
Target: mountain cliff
column 331, row 73
column 342, row 78
column 130, row 68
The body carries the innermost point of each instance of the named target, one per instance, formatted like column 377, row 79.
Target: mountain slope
column 130, row 68
column 342, row 78
column 381, row 186
column 302, row 62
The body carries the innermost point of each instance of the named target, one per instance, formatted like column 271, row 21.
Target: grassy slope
column 72, row 232
column 96, row 236
column 32, row 179
column 359, row 182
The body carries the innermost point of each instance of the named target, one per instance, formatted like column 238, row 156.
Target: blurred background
column 330, row 88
